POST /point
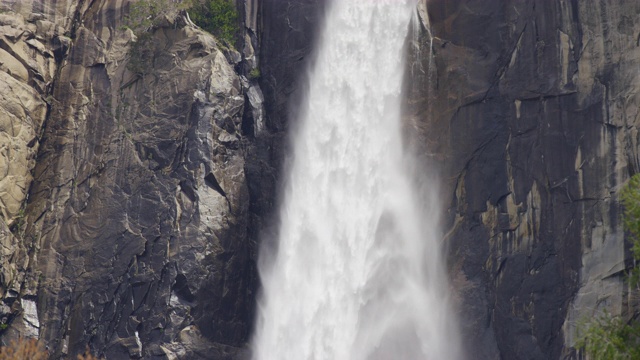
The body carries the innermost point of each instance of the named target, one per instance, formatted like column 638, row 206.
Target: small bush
column 254, row 73
column 143, row 17
column 611, row 337
column 23, row 349
column 630, row 198
column 29, row 349
column 218, row 17
column 87, row 355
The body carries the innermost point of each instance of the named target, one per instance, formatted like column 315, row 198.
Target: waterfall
column 357, row 273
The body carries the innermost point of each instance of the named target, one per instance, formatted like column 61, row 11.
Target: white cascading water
column 357, row 273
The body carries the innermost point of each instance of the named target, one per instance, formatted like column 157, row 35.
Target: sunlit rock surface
column 32, row 37
column 134, row 236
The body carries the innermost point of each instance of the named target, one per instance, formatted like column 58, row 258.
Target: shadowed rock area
column 530, row 111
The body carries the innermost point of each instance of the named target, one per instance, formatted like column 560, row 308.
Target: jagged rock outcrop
column 530, row 112
column 134, row 237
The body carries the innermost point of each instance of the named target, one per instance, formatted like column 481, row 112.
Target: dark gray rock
column 287, row 35
column 523, row 108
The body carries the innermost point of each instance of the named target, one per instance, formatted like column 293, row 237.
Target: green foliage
column 254, row 73
column 218, row 17
column 19, row 224
column 611, row 337
column 630, row 198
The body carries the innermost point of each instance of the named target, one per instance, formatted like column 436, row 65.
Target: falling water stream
column 357, row 273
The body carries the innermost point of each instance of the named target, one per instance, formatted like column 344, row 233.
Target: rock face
column 530, row 112
column 139, row 176
column 134, row 237
column 32, row 37
column 27, row 68
column 287, row 34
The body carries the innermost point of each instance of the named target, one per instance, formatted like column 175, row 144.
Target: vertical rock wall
column 134, row 237
column 287, row 31
column 530, row 112
column 33, row 37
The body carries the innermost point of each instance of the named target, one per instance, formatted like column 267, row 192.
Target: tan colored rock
column 22, row 113
column 59, row 12
column 27, row 67
column 12, row 66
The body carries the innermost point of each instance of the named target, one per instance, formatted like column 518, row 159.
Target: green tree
column 611, row 337
column 218, row 17
column 254, row 73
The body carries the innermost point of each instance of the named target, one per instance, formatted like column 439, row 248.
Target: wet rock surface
column 287, row 37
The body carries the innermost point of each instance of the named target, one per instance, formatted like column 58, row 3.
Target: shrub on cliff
column 630, row 197
column 24, row 349
column 143, row 16
column 218, row 17
column 612, row 337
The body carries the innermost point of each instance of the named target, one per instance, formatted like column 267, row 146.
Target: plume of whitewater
column 357, row 273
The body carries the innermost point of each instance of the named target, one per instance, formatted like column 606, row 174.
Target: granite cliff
column 530, row 112
column 133, row 201
column 125, row 191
